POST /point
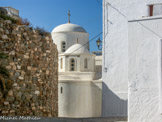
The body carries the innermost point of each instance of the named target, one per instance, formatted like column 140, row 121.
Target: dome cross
column 69, row 16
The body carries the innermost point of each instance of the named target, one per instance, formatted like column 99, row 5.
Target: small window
column 61, row 63
column 151, row 10
column 61, row 90
column 63, row 46
column 155, row 9
column 72, row 64
column 85, row 63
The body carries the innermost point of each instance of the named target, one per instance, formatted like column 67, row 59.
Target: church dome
column 76, row 49
column 69, row 28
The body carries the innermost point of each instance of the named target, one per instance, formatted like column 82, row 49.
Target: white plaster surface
column 98, row 67
column 144, row 74
column 80, row 99
column 71, row 34
column 76, row 49
column 69, row 27
column 85, row 76
column 79, row 62
column 115, row 52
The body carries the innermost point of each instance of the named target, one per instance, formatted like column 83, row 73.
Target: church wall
column 33, row 67
column 86, row 76
column 98, row 67
column 63, row 64
column 115, row 52
column 80, row 99
column 77, row 62
column 145, row 70
column 70, row 38
column 90, row 63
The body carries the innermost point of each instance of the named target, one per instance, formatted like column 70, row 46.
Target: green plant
column 19, row 21
column 41, row 31
column 5, row 82
column 5, row 17
column 3, row 11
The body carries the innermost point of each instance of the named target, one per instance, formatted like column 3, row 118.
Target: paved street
column 105, row 119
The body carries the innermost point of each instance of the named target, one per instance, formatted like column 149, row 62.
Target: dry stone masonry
column 33, row 68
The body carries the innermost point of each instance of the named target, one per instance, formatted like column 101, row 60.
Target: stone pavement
column 100, row 119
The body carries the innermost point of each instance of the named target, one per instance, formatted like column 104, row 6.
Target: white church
column 80, row 84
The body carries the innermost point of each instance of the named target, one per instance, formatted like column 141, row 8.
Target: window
column 61, row 90
column 151, row 10
column 72, row 64
column 63, row 46
column 155, row 9
column 61, row 63
column 85, row 63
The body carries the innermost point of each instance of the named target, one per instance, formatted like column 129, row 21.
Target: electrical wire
column 135, row 20
column 84, row 44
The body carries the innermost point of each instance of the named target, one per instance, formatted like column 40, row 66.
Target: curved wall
column 80, row 99
column 70, row 38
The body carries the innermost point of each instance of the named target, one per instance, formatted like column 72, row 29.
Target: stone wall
column 33, row 68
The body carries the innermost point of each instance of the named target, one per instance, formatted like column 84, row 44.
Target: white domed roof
column 69, row 28
column 76, row 49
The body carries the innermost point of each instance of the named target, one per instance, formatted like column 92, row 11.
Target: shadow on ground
column 112, row 105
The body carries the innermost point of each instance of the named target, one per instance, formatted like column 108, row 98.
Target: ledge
column 146, row 18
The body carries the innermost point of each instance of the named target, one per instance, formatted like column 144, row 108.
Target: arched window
column 63, row 46
column 72, row 64
column 85, row 63
column 61, row 63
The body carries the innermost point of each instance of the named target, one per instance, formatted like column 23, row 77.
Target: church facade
column 80, row 84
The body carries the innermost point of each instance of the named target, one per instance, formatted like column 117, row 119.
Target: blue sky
column 51, row 13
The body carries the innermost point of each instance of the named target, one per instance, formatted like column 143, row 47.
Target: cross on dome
column 69, row 16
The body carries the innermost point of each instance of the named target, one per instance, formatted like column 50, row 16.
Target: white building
column 80, row 86
column 11, row 12
column 132, row 59
column 145, row 49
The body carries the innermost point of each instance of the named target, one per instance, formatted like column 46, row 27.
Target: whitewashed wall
column 98, row 67
column 115, row 52
column 90, row 62
column 80, row 99
column 70, row 38
column 63, row 63
column 144, row 76
column 79, row 62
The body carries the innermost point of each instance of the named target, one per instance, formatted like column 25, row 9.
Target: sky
column 48, row 14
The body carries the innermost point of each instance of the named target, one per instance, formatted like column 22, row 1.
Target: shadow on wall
column 98, row 70
column 96, row 96
column 112, row 105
